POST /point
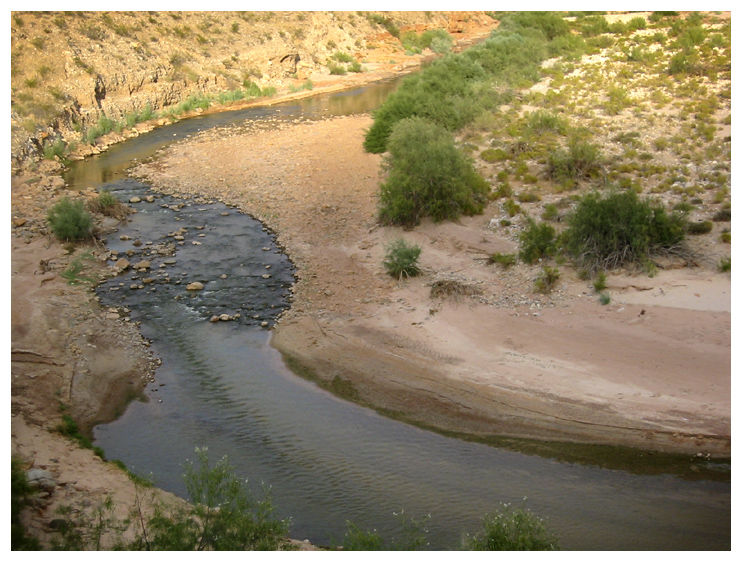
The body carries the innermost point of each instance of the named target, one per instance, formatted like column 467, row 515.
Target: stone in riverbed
column 195, row 286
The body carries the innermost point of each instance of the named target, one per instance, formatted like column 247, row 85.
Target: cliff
column 71, row 69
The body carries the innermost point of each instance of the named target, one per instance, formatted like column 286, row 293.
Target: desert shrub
column 699, row 227
column 494, row 155
column 604, row 298
column 337, row 68
column 723, row 215
column 401, row 259
column 455, row 89
column 438, row 40
column 511, row 207
column 599, row 282
column 725, row 264
column 410, row 535
column 529, row 196
column 453, row 289
column 106, row 203
column 428, row 177
column 503, row 189
column 542, row 121
column 547, row 279
column 537, row 241
column 69, row 220
column 443, row 93
column 551, row 212
column 592, row 26
column 618, row 228
column 505, row 260
column 580, row 160
column 511, row 529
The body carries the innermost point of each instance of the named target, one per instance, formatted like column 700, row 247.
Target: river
column 222, row 386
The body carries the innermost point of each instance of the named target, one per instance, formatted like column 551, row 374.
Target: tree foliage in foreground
column 428, row 176
column 223, row 515
column 511, row 529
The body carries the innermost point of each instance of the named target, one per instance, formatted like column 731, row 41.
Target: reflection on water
column 221, row 385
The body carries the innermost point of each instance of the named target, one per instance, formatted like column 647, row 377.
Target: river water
column 222, row 386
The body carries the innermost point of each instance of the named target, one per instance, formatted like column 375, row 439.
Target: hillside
column 75, row 75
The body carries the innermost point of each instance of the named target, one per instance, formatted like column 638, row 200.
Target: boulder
column 41, row 480
column 195, row 286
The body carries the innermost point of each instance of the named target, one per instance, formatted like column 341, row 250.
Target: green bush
column 223, row 515
column 401, row 259
column 505, row 260
column 700, row 227
column 69, row 220
column 537, row 241
column 428, row 177
column 511, row 529
column 618, row 228
column 457, row 88
column 580, row 160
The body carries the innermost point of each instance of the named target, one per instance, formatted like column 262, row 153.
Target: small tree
column 428, row 176
column 69, row 220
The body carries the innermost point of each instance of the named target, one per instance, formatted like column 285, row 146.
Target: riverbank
column 70, row 356
column 506, row 362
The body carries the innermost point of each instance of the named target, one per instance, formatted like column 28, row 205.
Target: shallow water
column 222, row 386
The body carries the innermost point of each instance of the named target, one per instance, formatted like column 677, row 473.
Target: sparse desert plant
column 604, row 298
column 548, row 278
column 599, row 282
column 69, row 221
column 580, row 160
column 537, row 241
column 551, row 212
column 723, row 215
column 505, row 260
column 725, row 264
column 700, row 227
column 452, row 289
column 106, row 203
column 401, row 259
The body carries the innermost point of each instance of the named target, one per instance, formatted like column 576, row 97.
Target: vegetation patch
column 69, row 221
column 401, row 259
column 453, row 289
column 428, row 177
column 512, row 529
column 611, row 230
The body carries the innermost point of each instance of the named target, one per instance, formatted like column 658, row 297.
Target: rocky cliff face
column 68, row 69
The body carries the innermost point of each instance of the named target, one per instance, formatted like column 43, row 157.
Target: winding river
column 222, row 386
